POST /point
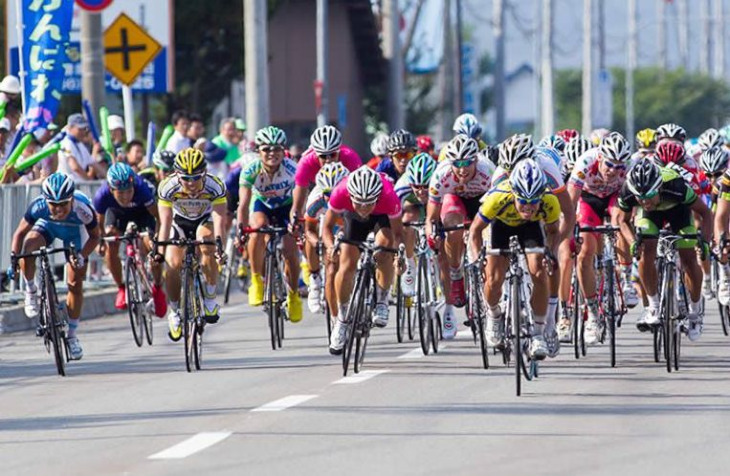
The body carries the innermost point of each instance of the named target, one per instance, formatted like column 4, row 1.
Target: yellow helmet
column 190, row 162
column 646, row 139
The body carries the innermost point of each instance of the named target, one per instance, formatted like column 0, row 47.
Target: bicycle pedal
column 39, row 331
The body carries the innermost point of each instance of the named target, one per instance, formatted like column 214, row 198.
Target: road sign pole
column 128, row 102
column 92, row 59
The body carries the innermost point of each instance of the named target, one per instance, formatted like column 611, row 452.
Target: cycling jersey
column 586, row 176
column 142, row 198
column 232, row 185
column 546, row 159
column 309, row 165
column 387, row 204
column 69, row 230
column 695, row 177
column 191, row 207
column 275, row 190
column 405, row 192
column 673, row 191
column 149, row 175
column 316, row 205
column 444, row 182
column 387, row 167
column 499, row 205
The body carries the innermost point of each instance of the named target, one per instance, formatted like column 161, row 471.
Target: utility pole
column 322, row 51
column 705, row 38
column 587, row 109
column 459, row 102
column 683, row 34
column 499, row 92
column 661, row 15
column 447, row 75
column 719, row 61
column 392, row 53
column 546, row 66
column 601, row 36
column 92, row 61
column 630, row 67
column 255, row 25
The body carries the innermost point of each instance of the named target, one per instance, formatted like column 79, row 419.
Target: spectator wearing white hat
column 74, row 158
column 4, row 135
column 117, row 131
column 9, row 89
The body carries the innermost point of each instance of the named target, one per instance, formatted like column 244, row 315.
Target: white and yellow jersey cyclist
column 192, row 205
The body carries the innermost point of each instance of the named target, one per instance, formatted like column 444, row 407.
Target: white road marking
column 361, row 377
column 417, row 353
column 284, row 403
column 192, row 445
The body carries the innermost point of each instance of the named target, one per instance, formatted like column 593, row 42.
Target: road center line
column 361, row 377
column 192, row 445
column 284, row 403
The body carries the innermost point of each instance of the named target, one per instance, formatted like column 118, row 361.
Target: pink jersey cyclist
column 598, row 193
column 309, row 165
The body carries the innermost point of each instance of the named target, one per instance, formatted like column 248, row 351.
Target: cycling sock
column 210, row 291
column 73, row 325
column 538, row 328
column 653, row 301
column 382, row 294
column 494, row 311
column 456, row 273
column 31, row 287
column 552, row 308
column 564, row 308
column 695, row 307
column 174, row 305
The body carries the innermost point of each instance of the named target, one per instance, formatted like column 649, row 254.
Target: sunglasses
column 531, row 201
column 614, row 165
column 362, row 204
column 461, row 164
column 62, row 203
column 331, row 155
column 649, row 195
column 403, row 154
column 419, row 188
column 266, row 149
column 191, row 178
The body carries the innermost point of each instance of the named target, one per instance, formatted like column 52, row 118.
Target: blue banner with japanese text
column 46, row 29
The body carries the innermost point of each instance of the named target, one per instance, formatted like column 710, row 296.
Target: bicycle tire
column 425, row 328
column 354, row 310
column 363, row 328
column 227, row 278
column 198, row 327
column 478, row 315
column 328, row 319
column 188, row 318
column 577, row 317
column 280, row 291
column 131, row 283
column 611, row 316
column 149, row 328
column 270, row 300
column 400, row 311
column 435, row 324
column 724, row 318
column 410, row 317
column 658, row 339
column 516, row 334
column 667, row 314
column 54, row 325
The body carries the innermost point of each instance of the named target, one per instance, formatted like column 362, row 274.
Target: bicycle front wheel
column 400, row 311
column 270, row 301
column 611, row 315
column 423, row 310
column 134, row 304
column 188, row 318
column 54, row 327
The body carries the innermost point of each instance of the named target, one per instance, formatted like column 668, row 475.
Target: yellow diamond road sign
column 128, row 49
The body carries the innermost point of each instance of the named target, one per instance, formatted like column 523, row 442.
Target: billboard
column 156, row 16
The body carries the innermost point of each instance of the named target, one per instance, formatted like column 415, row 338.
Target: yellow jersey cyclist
column 518, row 207
column 265, row 199
column 645, row 144
column 61, row 212
column 191, row 204
column 663, row 197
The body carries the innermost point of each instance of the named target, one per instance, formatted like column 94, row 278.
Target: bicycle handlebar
column 536, row 250
column 125, row 237
column 45, row 251
column 604, row 229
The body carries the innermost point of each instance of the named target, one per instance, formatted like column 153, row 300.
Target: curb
column 96, row 304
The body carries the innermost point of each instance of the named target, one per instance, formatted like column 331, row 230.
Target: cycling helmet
column 164, row 160
column 615, row 148
column 671, row 131
column 425, row 143
column 709, row 139
column 401, row 139
column 420, row 169
column 365, row 185
column 598, row 134
column 120, row 176
column 379, row 145
column 644, row 178
column 714, row 161
column 330, row 175
column 725, row 134
column 670, row 151
column 270, row 135
column 190, row 161
column 468, row 124
column 58, row 187
column 514, row 149
column 527, row 180
column 326, row 140
column 462, row 147
column 567, row 134
column 646, row 139
column 554, row 141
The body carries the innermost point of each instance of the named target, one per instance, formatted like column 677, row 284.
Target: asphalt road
column 125, row 410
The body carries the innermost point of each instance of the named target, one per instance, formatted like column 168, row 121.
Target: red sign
column 94, row 5
column 318, row 87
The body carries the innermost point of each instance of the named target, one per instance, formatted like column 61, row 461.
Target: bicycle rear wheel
column 667, row 301
column 136, row 319
column 188, row 318
column 611, row 314
column 517, row 333
column 400, row 311
column 54, row 326
column 364, row 324
column 270, row 301
column 724, row 318
column 198, row 327
column 577, row 317
column 354, row 313
column 425, row 328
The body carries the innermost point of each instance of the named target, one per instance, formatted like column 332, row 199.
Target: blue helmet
column 120, row 176
column 468, row 124
column 554, row 141
column 58, row 187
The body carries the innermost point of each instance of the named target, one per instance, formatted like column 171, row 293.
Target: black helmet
column 401, row 139
column 644, row 179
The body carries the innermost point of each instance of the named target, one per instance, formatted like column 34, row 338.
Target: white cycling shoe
column 75, row 352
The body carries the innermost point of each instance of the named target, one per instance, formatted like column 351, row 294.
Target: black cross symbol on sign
column 125, row 49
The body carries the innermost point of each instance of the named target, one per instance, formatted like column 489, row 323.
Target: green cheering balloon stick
column 166, row 134
column 37, row 157
column 106, row 140
column 16, row 154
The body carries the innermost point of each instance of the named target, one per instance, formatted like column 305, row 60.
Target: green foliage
column 2, row 40
column 420, row 112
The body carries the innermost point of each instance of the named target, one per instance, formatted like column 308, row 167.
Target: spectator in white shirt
column 179, row 139
column 74, row 158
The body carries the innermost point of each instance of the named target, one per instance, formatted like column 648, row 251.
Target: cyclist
column 709, row 139
column 645, row 144
column 573, row 151
column 425, row 144
column 125, row 198
column 453, row 199
column 401, row 149
column 518, row 207
column 568, row 135
column 367, row 203
column 327, row 179
column 554, row 142
column 191, row 204
column 60, row 212
column 594, row 186
column 379, row 148
column 265, row 198
column 663, row 197
column 722, row 218
column 468, row 125
column 162, row 167
column 672, row 155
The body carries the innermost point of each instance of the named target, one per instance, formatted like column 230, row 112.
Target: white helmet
column 514, row 149
column 330, row 175
column 379, row 145
column 573, row 150
column 527, row 180
column 709, row 139
column 462, row 147
column 615, row 148
column 468, row 124
column 365, row 185
column 10, row 85
column 714, row 161
column 671, row 131
column 326, row 140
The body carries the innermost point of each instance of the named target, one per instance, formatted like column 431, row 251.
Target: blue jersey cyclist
column 61, row 213
column 126, row 198
column 401, row 149
column 265, row 198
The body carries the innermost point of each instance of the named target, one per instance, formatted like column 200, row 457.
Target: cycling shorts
column 277, row 216
column 119, row 218
column 185, row 228
column 68, row 233
column 592, row 210
column 530, row 235
column 679, row 219
column 466, row 207
column 357, row 228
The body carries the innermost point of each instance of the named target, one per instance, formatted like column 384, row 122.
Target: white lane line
column 284, row 403
column 361, row 377
column 417, row 353
column 192, row 445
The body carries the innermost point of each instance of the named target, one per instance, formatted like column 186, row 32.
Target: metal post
column 458, row 56
column 257, row 68
column 719, row 60
column 630, row 67
column 322, row 50
column 21, row 70
column 548, row 112
column 661, row 14
column 683, row 20
column 447, row 76
column 128, row 102
column 705, row 38
column 498, row 19
column 587, row 109
column 392, row 53
column 92, row 60
column 601, row 36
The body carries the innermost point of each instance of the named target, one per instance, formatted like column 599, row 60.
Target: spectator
column 179, row 139
column 135, row 155
column 74, row 158
column 240, row 132
column 228, row 139
column 196, row 132
column 116, row 130
column 4, row 135
column 9, row 89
